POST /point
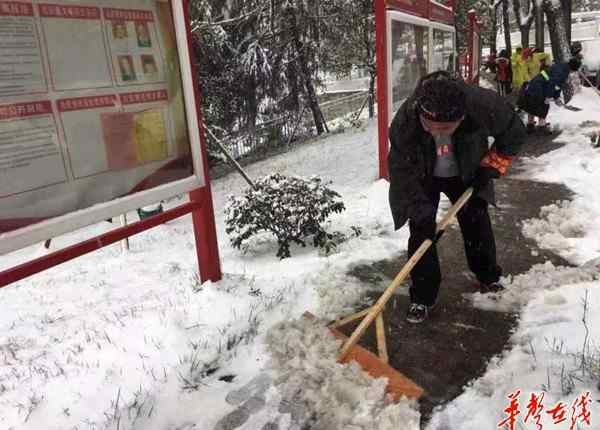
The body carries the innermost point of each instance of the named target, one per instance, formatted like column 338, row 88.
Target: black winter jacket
column 543, row 88
column 412, row 154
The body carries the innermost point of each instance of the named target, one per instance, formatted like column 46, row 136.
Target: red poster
column 118, row 131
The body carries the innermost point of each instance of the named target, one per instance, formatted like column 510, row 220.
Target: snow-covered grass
column 134, row 340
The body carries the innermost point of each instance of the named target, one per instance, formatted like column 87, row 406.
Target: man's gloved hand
column 423, row 216
column 483, row 176
column 558, row 102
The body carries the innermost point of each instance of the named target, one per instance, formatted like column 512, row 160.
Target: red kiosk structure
column 414, row 38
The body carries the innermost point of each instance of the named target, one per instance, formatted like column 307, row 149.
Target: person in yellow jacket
column 538, row 61
column 529, row 64
column 519, row 69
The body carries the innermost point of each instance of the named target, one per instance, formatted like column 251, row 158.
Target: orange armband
column 498, row 161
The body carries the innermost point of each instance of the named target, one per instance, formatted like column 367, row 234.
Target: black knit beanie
column 440, row 98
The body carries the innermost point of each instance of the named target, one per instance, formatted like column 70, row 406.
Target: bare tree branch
column 197, row 25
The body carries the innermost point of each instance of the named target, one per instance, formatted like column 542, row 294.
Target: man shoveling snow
column 439, row 144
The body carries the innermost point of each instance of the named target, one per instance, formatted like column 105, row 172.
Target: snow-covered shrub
column 347, row 122
column 291, row 208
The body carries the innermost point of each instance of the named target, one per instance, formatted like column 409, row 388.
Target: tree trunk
column 272, row 16
column 494, row 29
column 367, row 36
column 567, row 6
column 524, row 36
column 539, row 29
column 304, row 74
column 558, row 36
column 373, row 76
column 251, row 112
column 295, row 88
column 558, row 32
column 506, row 26
column 524, row 26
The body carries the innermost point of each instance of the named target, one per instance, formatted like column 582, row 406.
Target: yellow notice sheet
column 150, row 136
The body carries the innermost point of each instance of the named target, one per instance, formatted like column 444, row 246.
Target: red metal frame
column 440, row 13
column 204, row 220
column 54, row 259
column 414, row 7
column 382, row 67
column 200, row 206
column 467, row 61
column 474, row 33
column 427, row 9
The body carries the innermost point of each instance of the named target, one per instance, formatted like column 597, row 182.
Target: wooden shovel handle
column 414, row 259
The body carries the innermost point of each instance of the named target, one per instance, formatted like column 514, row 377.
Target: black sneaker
column 417, row 313
column 545, row 130
column 494, row 287
column 530, row 127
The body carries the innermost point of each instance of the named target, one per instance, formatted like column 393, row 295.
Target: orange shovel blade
column 398, row 384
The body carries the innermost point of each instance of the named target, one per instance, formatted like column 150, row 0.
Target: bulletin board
column 97, row 112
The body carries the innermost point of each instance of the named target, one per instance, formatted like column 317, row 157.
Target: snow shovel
column 589, row 83
column 398, row 384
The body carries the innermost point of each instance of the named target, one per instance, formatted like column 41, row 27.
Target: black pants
column 503, row 88
column 535, row 106
column 478, row 238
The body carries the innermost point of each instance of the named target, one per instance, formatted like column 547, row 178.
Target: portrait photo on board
column 126, row 68
column 149, row 67
column 119, row 30
column 143, row 35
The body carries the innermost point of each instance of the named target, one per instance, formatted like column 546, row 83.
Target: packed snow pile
column 541, row 277
column 337, row 396
column 558, row 226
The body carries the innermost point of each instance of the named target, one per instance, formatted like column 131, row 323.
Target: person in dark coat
column 547, row 85
column 440, row 143
column 503, row 73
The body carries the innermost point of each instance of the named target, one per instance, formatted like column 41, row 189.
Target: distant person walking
column 503, row 73
column 541, row 61
column 519, row 69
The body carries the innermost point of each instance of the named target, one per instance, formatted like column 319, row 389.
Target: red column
column 204, row 217
column 205, row 233
column 471, row 39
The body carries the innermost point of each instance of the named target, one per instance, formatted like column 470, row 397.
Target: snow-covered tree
column 493, row 30
column 586, row 5
column 257, row 60
column 234, row 65
column 506, row 25
column 349, row 32
column 484, row 13
column 524, row 11
column 298, row 24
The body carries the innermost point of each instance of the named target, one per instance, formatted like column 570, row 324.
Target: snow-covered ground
column 135, row 341
column 555, row 350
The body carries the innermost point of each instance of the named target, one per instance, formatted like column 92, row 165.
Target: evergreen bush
column 293, row 209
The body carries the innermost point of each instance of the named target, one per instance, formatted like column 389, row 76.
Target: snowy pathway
column 135, row 342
